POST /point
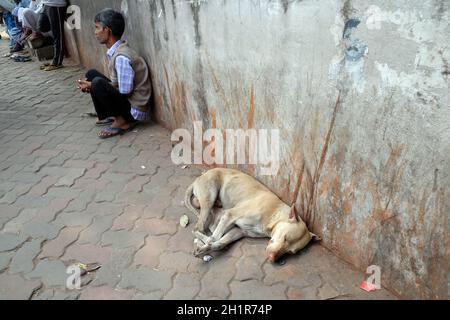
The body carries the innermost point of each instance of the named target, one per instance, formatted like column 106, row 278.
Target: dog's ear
column 293, row 214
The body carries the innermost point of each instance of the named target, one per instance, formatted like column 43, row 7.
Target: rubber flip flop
column 53, row 67
column 111, row 132
column 22, row 59
column 45, row 65
column 105, row 122
column 89, row 115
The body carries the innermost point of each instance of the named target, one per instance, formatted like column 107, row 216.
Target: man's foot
column 105, row 122
column 45, row 65
column 17, row 48
column 52, row 67
column 111, row 132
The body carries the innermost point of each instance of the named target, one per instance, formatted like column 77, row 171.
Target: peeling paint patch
column 411, row 84
column 411, row 25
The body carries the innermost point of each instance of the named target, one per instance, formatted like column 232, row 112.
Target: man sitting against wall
column 123, row 99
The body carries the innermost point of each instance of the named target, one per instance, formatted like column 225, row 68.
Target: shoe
column 105, row 122
column 112, row 132
column 52, row 67
column 45, row 65
column 22, row 59
column 17, row 48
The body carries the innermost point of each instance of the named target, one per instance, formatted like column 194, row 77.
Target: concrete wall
column 369, row 170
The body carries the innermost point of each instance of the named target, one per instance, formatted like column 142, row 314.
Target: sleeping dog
column 248, row 209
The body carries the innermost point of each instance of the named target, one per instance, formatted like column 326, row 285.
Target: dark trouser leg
column 57, row 16
column 92, row 74
column 108, row 101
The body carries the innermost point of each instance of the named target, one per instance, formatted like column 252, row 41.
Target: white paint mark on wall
column 124, row 7
column 411, row 24
column 410, row 83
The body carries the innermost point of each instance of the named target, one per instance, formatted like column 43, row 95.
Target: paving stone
column 183, row 241
column 123, row 239
column 101, row 159
column 44, row 230
column 19, row 190
column 8, row 212
column 111, row 272
column 308, row 293
column 214, row 283
column 62, row 192
column 55, row 248
column 42, row 187
column 327, row 291
column 290, row 274
column 5, row 259
column 127, row 219
column 155, row 210
column 16, row 225
column 255, row 290
column 178, row 261
column 148, row 255
column 185, row 287
column 69, row 179
column 44, row 294
column 249, row 268
column 88, row 253
column 97, row 171
column 74, row 219
column 175, row 212
column 50, row 273
column 49, row 213
column 101, row 209
column 155, row 295
column 110, row 193
column 80, row 164
column 14, row 287
column 66, row 295
column 146, row 280
column 106, row 293
column 136, row 184
column 94, row 232
column 156, row 227
column 23, row 259
column 30, row 201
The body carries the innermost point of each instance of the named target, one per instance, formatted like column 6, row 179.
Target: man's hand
column 84, row 85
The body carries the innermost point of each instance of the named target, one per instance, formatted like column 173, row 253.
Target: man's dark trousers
column 108, row 101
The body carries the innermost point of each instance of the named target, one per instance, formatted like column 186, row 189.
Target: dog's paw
column 200, row 227
column 201, row 236
column 200, row 251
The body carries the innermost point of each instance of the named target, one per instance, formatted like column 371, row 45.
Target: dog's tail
column 188, row 200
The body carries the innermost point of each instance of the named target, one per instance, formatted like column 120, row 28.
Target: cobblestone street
column 66, row 196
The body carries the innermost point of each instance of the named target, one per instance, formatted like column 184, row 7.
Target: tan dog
column 249, row 210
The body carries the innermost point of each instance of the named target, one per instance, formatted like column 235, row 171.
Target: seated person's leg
column 109, row 102
column 92, row 74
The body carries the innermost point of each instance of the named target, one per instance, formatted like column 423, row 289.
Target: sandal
column 53, row 67
column 89, row 115
column 105, row 122
column 45, row 65
column 111, row 132
column 22, row 59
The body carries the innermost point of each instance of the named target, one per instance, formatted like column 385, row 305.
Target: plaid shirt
column 125, row 76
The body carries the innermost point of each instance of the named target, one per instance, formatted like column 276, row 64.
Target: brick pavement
column 67, row 196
